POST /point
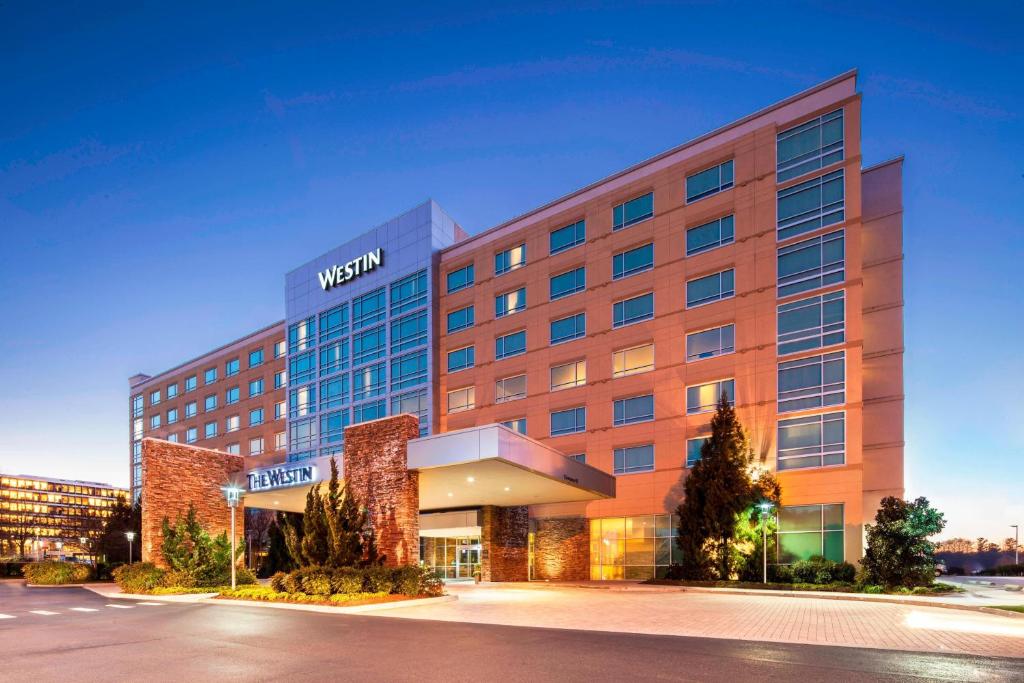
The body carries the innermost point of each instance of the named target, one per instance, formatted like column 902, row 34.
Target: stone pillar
column 504, row 553
column 376, row 469
column 175, row 475
column 561, row 549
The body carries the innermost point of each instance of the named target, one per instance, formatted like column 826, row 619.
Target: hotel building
column 562, row 367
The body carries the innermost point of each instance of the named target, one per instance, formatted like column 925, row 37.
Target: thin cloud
column 934, row 95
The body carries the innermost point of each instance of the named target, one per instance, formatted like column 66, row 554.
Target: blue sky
column 160, row 170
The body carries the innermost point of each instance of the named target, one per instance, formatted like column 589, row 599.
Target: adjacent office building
column 587, row 342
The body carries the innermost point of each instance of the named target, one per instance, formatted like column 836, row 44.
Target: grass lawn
column 1011, row 608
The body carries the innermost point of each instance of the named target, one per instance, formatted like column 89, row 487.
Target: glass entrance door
column 451, row 557
column 467, row 558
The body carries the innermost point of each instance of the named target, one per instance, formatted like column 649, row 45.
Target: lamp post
column 1016, row 543
column 82, row 540
column 765, row 507
column 233, row 493
column 130, row 535
column 60, row 548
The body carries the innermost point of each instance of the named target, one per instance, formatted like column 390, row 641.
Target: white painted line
column 43, row 613
column 152, row 604
column 120, row 606
column 6, row 616
column 83, row 609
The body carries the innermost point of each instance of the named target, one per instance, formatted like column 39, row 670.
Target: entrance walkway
column 742, row 617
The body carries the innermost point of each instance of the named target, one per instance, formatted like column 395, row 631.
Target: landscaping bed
column 266, row 594
column 934, row 589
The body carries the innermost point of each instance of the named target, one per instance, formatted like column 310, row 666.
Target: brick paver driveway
column 742, row 617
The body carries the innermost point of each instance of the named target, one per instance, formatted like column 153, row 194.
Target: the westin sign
column 339, row 275
column 279, row 477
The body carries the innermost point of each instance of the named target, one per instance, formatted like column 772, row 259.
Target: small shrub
column 346, row 581
column 140, row 577
column 844, row 572
column 50, row 573
column 780, row 573
column 316, row 583
column 277, row 582
column 379, row 580
column 874, row 590
column 290, row 582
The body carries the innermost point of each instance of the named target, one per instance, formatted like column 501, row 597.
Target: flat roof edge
column 895, row 160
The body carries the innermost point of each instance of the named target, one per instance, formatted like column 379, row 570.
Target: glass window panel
column 710, row 235
column 461, row 359
column 510, row 345
column 510, row 259
column 810, row 146
column 568, row 237
column 633, row 361
column 709, row 181
column 569, row 375
column 633, row 261
column 633, row 211
column 568, row 283
column 633, row 310
column 460, row 279
column 704, row 398
column 567, row 329
column 409, row 293
column 460, row 319
column 510, row 389
column 510, row 302
column 710, row 288
column 710, row 343
column 817, row 262
column 811, row 205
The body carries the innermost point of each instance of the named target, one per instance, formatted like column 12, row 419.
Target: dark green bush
column 379, row 580
column 277, row 582
column 346, row 580
column 410, row 580
column 780, row 573
column 316, row 582
column 415, row 580
column 140, row 577
column 290, row 583
column 12, row 568
column 51, row 573
column 821, row 571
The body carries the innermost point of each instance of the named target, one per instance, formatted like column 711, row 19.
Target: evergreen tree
column 283, row 543
column 112, row 543
column 314, row 546
column 899, row 552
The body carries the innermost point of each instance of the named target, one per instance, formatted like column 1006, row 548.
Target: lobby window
column 210, row 376
column 154, row 397
column 812, row 323
column 568, row 237
column 461, row 399
column 634, row 409
column 460, row 279
column 710, row 343
column 256, row 387
column 811, row 205
column 255, row 417
column 633, row 261
column 635, row 210
column 811, row 146
column 232, row 423
column 334, row 392
column 280, row 441
column 280, row 348
column 368, row 309
column 814, row 382
column 516, row 425
column 154, row 421
column 509, row 345
column 300, row 402
column 811, row 264
column 280, row 410
column 280, row 379
column 693, row 450
column 633, row 310
column 510, row 259
column 369, row 381
column 633, row 459
column 709, row 181
column 460, row 319
column 809, row 530
column 190, row 383
column 409, row 293
column 334, row 357
column 231, row 396
column 374, row 410
column 409, row 332
column 302, row 368
column 814, row 441
column 704, row 398
column 460, row 359
column 256, row 446
column 708, row 236
column 172, row 391
column 230, row 368
column 568, row 375
column 172, row 416
column 569, row 421
column 191, row 435
column 709, row 288
column 510, row 389
column 633, row 361
column 210, row 430
column 302, row 335
column 636, row 548
column 414, row 403
column 369, row 345
column 191, row 408
column 409, row 370
column 210, row 403
column 332, row 427
column 569, row 328
column 510, row 302
column 568, row 283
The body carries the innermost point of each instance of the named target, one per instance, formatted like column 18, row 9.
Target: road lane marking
column 120, row 606
column 153, row 604
column 6, row 616
column 83, row 609
column 43, row 612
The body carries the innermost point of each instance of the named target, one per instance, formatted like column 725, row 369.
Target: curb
column 58, row 585
column 181, row 597
column 331, row 609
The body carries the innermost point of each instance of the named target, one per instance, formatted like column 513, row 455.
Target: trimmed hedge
column 146, row 577
column 53, row 573
column 264, row 594
column 319, row 581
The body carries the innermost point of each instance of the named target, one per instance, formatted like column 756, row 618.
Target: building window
column 334, row 392
column 510, row 345
column 810, row 146
column 460, row 319
column 333, row 358
column 374, row 410
column 705, row 237
column 516, row 425
column 280, row 379
column 634, row 548
column 210, row 403
column 709, row 181
column 703, row 398
column 137, row 405
column 256, row 358
column 191, row 435
column 413, row 403
column 409, row 293
column 302, row 434
column 232, row 423
column 256, row 387
column 460, row 359
column 300, row 402
column 255, row 417
column 710, row 343
column 409, row 332
column 633, row 261
column 811, row 205
column 172, row 416
column 568, row 237
column 280, row 348
column 568, row 375
column 813, row 441
column 334, row 323
column 568, row 283
column 510, row 389
column 368, row 309
column 461, row 399
column 280, row 441
column 154, row 421
column 154, row 397
column 280, row 410
column 714, row 287
column 814, row 382
column 369, row 345
column 633, row 310
column 231, row 396
column 633, row 211
column 369, row 381
column 510, row 259
column 409, row 370
column 256, row 446
column 812, row 323
column 809, row 530
column 210, row 430
column 632, row 459
column 569, row 328
column 230, row 368
column 633, row 361
column 332, row 427
column 173, row 438
column 634, row 409
column 817, row 262
column 172, row 391
column 210, row 376
column 302, row 368
column 301, row 335
column 190, row 383
column 510, row 302
column 693, row 450
column 191, row 408
column 460, row 279
column 569, row 421
column 233, row 449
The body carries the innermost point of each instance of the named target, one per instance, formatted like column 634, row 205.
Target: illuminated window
column 461, row 399
column 510, row 389
column 703, row 398
column 634, row 548
column 256, row 446
column 809, row 530
column 510, row 302
column 569, row 375
column 232, row 423
column 510, row 259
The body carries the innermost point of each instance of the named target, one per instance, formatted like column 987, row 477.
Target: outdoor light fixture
column 766, row 507
column 130, row 535
column 233, row 494
column 470, row 479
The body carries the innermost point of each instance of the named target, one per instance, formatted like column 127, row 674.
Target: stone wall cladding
column 505, row 544
column 376, row 468
column 175, row 475
column 561, row 549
